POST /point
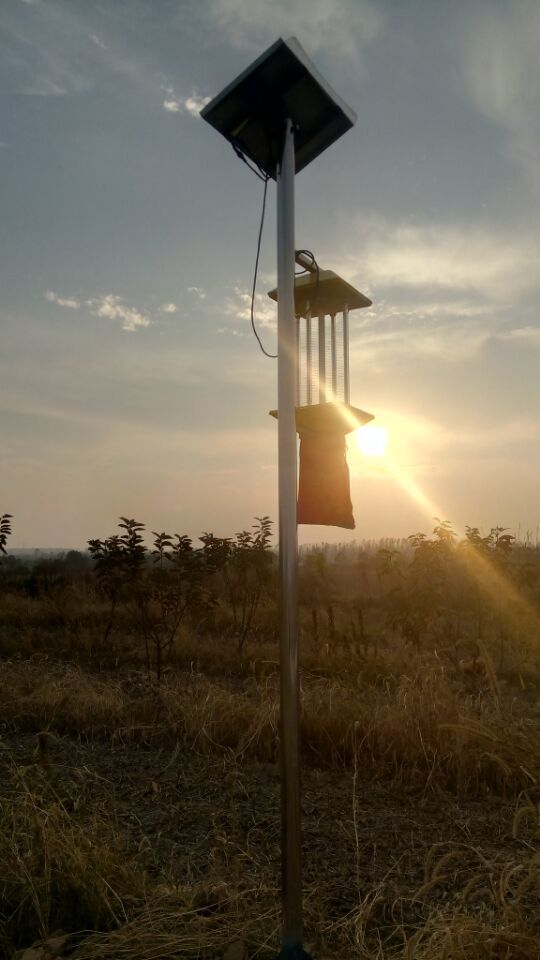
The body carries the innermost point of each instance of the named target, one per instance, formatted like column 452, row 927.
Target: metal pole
column 288, row 559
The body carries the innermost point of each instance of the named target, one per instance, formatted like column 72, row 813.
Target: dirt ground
column 188, row 817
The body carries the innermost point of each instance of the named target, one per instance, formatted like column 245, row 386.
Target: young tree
column 177, row 587
column 244, row 566
column 423, row 595
column 109, row 568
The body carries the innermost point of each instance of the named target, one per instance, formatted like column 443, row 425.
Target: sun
column 372, row 440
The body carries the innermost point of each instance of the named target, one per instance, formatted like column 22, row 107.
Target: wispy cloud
column 342, row 28
column 47, row 51
column 168, row 308
column 529, row 335
column 441, row 292
column 53, row 49
column 199, row 292
column 230, row 331
column 394, row 338
column 110, row 306
column 98, row 42
column 449, row 333
column 71, row 302
column 42, row 87
column 192, row 104
column 460, row 258
column 502, row 73
column 239, row 307
column 115, row 308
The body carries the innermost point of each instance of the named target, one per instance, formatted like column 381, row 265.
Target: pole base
column 293, row 953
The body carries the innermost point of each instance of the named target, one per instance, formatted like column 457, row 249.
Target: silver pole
column 288, row 557
column 346, row 382
column 322, row 358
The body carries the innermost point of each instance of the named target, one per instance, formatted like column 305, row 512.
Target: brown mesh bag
column 324, row 493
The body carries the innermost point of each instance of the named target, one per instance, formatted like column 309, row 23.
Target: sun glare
column 372, row 440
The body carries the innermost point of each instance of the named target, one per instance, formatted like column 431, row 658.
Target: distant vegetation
column 473, row 601
column 420, row 673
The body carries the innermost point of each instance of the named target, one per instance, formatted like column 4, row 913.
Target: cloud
column 199, row 292
column 524, row 334
column 46, row 50
column 99, row 43
column 239, row 307
column 230, row 331
column 342, row 28
column 450, row 343
column 195, row 103
column 450, row 332
column 425, row 432
column 53, row 49
column 42, row 87
column 441, row 291
column 71, row 302
column 501, row 70
column 192, row 104
column 459, row 258
column 114, row 308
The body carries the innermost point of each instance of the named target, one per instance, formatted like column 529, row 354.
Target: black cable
column 308, row 253
column 273, row 356
column 259, row 172
column 314, row 263
column 265, row 177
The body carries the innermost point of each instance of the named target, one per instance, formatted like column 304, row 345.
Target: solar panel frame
column 281, row 84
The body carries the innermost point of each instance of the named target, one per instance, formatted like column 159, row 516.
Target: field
column 139, row 788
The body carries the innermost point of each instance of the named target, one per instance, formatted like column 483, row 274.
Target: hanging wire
column 311, row 256
column 257, row 170
column 265, row 177
column 273, row 356
column 314, row 263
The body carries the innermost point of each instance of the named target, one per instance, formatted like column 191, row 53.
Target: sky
column 130, row 381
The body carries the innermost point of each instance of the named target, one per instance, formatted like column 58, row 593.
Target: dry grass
column 173, row 929
column 417, row 730
column 503, row 898
column 67, row 867
column 56, row 868
column 64, row 862
column 391, row 715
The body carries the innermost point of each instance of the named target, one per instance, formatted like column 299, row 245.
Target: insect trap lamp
column 323, row 413
column 279, row 115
